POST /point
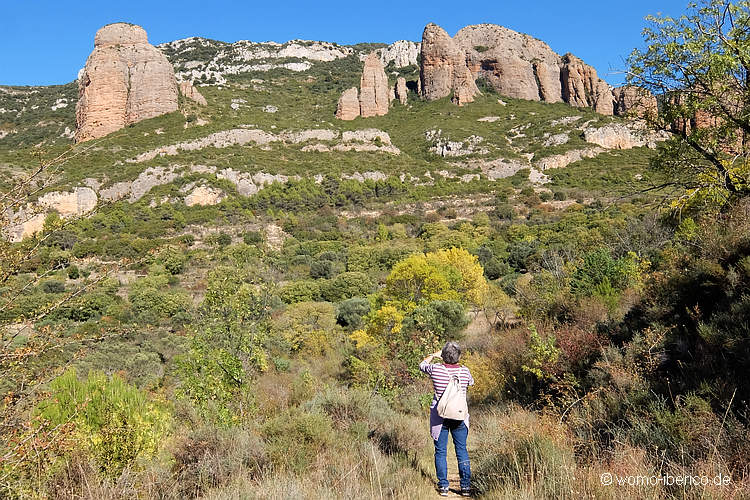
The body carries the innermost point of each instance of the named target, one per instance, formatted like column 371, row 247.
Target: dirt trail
column 453, row 477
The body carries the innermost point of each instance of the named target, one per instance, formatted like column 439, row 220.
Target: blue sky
column 47, row 42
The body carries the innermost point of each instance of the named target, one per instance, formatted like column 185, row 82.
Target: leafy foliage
column 113, row 419
column 698, row 63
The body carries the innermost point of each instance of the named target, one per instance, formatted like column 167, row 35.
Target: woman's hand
column 430, row 357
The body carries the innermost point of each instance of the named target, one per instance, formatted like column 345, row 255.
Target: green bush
column 521, row 254
column 173, row 260
column 152, row 299
column 601, row 274
column 73, row 272
column 321, row 269
column 227, row 348
column 295, row 438
column 114, row 420
column 53, row 286
column 220, row 239
column 351, row 311
column 252, row 237
column 91, row 305
column 306, row 326
column 347, row 285
column 300, row 291
column 504, row 211
column 444, row 318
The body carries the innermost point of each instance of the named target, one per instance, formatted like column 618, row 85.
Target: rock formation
column 77, row 202
column 443, row 68
column 373, row 88
column 187, row 89
column 375, row 95
column 125, row 80
column 29, row 219
column 401, row 53
column 348, row 106
column 634, row 101
column 621, row 136
column 515, row 64
column 203, row 196
column 401, row 90
column 582, row 88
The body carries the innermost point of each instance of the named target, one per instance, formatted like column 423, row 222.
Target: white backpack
column 452, row 404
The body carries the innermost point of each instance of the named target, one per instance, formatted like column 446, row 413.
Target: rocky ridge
column 516, row 65
column 85, row 198
column 369, row 139
column 203, row 61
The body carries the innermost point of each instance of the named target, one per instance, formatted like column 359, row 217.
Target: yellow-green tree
column 452, row 274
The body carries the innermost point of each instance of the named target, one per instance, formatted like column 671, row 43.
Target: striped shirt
column 441, row 375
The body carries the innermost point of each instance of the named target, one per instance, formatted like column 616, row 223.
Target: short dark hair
column 451, row 353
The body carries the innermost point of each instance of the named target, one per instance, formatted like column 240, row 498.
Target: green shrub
column 91, row 305
column 600, row 274
column 321, row 269
column 73, row 272
column 443, row 318
column 306, row 326
column 347, row 285
column 114, row 420
column 300, row 291
column 226, row 353
column 504, row 211
column 173, row 260
column 520, row 254
column 295, row 438
column 53, row 286
column 220, row 239
column 152, row 299
column 187, row 239
column 351, row 311
column 252, row 237
column 559, row 196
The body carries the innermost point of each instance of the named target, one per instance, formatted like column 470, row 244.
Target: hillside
column 267, row 122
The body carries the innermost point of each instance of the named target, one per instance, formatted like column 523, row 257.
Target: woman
column 439, row 428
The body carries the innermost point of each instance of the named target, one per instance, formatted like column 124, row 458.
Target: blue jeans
column 459, row 431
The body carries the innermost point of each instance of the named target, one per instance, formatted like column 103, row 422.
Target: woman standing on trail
column 442, row 374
